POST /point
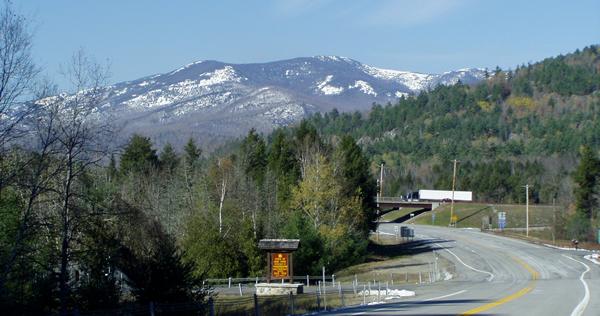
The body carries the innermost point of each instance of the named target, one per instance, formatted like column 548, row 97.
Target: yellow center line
column 534, row 276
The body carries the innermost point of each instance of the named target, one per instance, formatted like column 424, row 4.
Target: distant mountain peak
column 211, row 100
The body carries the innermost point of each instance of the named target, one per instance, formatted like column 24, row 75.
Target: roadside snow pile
column 567, row 248
column 388, row 294
column 595, row 258
column 447, row 276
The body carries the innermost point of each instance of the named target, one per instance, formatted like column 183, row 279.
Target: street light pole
column 453, row 186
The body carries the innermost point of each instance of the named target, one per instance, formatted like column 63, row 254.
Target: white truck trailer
column 442, row 195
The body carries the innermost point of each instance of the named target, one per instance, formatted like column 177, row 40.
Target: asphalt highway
column 498, row 276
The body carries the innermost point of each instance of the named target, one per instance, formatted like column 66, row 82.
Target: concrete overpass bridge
column 388, row 204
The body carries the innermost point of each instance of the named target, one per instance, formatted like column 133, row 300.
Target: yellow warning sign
column 279, row 265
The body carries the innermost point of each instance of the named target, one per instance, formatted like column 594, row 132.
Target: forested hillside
column 519, row 126
column 87, row 227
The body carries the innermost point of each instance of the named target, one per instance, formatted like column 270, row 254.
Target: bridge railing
column 389, row 199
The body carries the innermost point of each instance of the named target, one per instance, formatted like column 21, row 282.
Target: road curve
column 498, row 276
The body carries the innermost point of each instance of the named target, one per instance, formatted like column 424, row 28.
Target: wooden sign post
column 279, row 258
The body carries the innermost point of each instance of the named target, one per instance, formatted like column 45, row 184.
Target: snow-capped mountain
column 212, row 100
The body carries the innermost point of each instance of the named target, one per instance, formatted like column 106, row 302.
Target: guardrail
column 392, row 199
column 305, row 279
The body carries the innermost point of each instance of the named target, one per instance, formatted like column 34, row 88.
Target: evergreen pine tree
column 357, row 179
column 254, row 153
column 168, row 158
column 138, row 155
column 586, row 177
column 191, row 153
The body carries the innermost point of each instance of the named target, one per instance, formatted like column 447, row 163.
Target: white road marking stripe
column 427, row 300
column 383, row 233
column 580, row 308
column 444, row 296
column 468, row 266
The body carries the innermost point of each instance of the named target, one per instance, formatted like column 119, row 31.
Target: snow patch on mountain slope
column 187, row 89
column 328, row 89
column 399, row 94
column 120, row 91
column 204, row 102
column 262, row 98
column 333, row 58
column 218, row 76
column 284, row 114
column 413, row 80
column 364, row 87
column 185, row 67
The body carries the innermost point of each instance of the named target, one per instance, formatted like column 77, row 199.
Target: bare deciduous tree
column 81, row 136
column 17, row 75
column 17, row 70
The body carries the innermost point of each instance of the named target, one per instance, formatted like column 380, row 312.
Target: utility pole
column 452, row 223
column 381, row 181
column 527, row 210
column 554, row 220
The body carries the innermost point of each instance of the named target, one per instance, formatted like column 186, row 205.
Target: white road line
column 444, row 296
column 491, row 275
column 383, row 233
column 580, row 308
column 427, row 300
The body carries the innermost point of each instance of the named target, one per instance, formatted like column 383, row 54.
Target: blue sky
column 144, row 37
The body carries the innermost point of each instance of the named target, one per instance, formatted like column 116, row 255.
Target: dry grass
column 471, row 215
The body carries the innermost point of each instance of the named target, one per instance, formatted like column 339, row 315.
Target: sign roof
column 279, row 244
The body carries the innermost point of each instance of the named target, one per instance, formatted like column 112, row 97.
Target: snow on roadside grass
column 568, row 248
column 595, row 258
column 447, row 275
column 388, row 294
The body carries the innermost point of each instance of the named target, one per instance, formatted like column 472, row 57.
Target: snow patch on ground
column 186, row 66
column 328, row 89
column 413, row 80
column 388, row 294
column 447, row 276
column 364, row 87
column 595, row 258
column 333, row 58
column 226, row 74
column 399, row 94
column 566, row 248
column 120, row 91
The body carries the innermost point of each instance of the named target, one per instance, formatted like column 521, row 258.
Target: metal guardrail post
column 211, row 306
column 324, row 297
column 256, row 309
column 151, row 308
column 291, row 303
column 364, row 294
column 318, row 301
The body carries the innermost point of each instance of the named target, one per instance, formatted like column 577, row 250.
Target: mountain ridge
column 212, row 100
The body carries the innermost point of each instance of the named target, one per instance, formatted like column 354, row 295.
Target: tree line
column 517, row 127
